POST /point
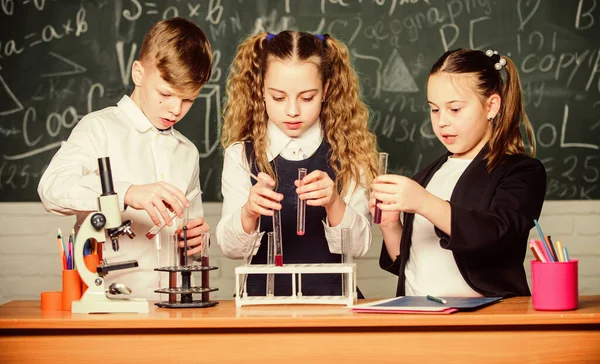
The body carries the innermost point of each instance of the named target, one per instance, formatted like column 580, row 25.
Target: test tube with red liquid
column 301, row 212
column 205, row 263
column 381, row 170
column 277, row 238
column 270, row 261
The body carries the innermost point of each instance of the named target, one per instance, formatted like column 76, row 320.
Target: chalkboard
column 62, row 59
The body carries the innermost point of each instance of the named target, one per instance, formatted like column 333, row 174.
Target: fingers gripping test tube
column 301, row 212
column 270, row 261
column 157, row 228
column 382, row 169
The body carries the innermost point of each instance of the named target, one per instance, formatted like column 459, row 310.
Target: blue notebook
column 416, row 304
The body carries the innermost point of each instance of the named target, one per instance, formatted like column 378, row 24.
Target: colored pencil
column 559, row 251
column 554, row 255
column 59, row 243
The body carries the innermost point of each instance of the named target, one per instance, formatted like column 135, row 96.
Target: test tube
column 277, row 238
column 157, row 228
column 175, row 262
column 382, row 169
column 347, row 257
column 301, row 212
column 270, row 261
column 205, row 263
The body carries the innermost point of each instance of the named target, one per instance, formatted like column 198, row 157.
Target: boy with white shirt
column 153, row 165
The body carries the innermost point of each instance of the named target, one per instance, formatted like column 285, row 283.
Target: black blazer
column 491, row 216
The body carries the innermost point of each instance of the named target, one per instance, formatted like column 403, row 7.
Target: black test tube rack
column 186, row 291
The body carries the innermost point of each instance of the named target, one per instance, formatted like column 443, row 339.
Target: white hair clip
column 500, row 62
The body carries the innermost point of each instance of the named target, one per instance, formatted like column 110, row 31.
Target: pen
column 437, row 299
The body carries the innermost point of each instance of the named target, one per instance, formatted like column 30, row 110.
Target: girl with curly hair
column 293, row 101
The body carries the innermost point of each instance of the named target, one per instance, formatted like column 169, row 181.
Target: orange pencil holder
column 71, row 288
column 91, row 262
column 51, row 301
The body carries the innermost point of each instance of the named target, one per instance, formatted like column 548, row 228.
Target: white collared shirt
column 139, row 154
column 236, row 184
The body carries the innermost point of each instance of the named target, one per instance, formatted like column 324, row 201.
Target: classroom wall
column 29, row 263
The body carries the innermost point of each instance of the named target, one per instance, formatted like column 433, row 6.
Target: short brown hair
column 180, row 51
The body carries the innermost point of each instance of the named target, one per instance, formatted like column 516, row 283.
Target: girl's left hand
column 398, row 193
column 317, row 189
column 196, row 240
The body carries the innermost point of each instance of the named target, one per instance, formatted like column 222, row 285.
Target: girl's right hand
column 262, row 199
column 388, row 218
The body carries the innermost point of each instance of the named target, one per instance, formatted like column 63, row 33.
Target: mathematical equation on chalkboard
column 71, row 58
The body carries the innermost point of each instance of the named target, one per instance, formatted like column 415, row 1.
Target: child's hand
column 195, row 240
column 388, row 218
column 159, row 196
column 317, row 189
column 262, row 199
column 398, row 193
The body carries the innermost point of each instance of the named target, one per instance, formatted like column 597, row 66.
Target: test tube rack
column 348, row 269
column 186, row 290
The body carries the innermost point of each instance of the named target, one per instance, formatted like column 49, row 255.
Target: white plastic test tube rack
column 297, row 270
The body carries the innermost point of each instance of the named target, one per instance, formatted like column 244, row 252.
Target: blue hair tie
column 270, row 36
column 320, row 37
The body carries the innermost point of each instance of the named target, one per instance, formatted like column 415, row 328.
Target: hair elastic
column 320, row 37
column 270, row 36
column 500, row 62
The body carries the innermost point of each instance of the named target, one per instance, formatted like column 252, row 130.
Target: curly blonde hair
column 344, row 116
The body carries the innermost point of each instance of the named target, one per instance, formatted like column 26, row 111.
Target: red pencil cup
column 554, row 285
column 71, row 288
column 91, row 262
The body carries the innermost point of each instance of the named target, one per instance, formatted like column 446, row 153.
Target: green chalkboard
column 62, row 59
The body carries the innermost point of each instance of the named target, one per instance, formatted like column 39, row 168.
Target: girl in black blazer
column 466, row 217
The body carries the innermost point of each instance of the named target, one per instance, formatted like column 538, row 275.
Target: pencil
column 559, row 251
column 566, row 253
column 437, row 299
column 535, row 254
column 543, row 240
column 59, row 244
column 554, row 255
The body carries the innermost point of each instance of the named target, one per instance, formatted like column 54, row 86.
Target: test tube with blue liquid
column 381, row 170
column 301, row 212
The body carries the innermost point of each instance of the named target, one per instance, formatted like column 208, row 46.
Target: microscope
column 98, row 225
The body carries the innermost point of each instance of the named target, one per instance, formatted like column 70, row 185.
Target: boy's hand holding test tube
column 159, row 196
column 171, row 215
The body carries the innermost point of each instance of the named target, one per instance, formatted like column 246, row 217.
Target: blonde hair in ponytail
column 344, row 116
column 506, row 136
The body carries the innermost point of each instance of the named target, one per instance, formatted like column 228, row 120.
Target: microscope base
column 103, row 304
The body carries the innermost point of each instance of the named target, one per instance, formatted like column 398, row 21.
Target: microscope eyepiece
column 106, row 176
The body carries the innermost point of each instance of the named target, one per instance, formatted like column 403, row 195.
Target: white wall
column 29, row 262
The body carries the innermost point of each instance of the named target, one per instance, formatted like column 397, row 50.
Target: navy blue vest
column 312, row 246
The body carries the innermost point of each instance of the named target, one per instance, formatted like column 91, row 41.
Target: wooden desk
column 509, row 331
